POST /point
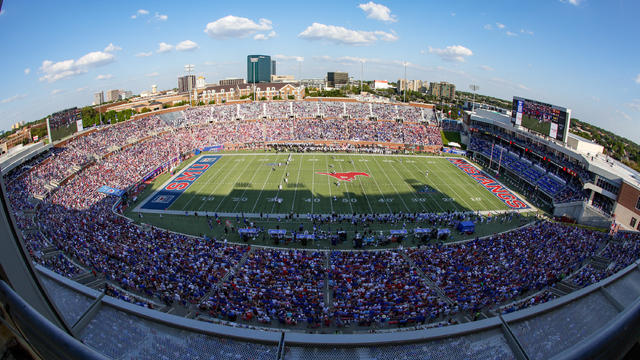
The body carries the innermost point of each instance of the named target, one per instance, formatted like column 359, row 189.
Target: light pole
column 253, row 65
column 361, row 74
column 189, row 68
column 406, row 82
column 474, row 88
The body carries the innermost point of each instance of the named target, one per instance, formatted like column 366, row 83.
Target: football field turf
column 320, row 183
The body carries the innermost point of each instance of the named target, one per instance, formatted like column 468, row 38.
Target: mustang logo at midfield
column 346, row 176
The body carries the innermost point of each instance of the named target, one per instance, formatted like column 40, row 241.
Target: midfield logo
column 346, row 176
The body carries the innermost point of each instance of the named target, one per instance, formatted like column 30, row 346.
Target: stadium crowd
column 285, row 287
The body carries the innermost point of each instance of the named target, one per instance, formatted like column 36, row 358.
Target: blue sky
column 581, row 54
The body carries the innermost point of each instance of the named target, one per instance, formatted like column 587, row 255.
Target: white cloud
column 186, row 45
column 352, row 60
column 264, row 36
column 81, row 89
column 486, row 68
column 144, row 54
column 509, row 33
column 104, row 77
column 624, row 115
column 54, row 71
column 341, row 35
column 452, row 53
column 521, row 86
column 526, row 32
column 27, row 71
column 572, row 2
column 13, row 98
column 236, row 27
column 500, row 26
column 638, row 79
column 161, row 17
column 56, row 91
column 287, row 57
column 634, row 104
column 112, row 48
column 488, row 27
column 377, row 12
column 140, row 13
column 163, row 47
column 152, row 74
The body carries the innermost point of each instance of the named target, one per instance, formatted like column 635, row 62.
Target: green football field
column 255, row 183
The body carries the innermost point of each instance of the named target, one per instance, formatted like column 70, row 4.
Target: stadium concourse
column 74, row 231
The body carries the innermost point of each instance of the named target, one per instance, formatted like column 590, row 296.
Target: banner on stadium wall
column 110, row 191
column 449, row 150
column 79, row 125
column 213, row 148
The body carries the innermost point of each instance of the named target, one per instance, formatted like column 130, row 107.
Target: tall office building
column 183, row 83
column 337, row 79
column 98, row 98
column 260, row 65
column 273, row 67
column 113, row 95
column 442, row 89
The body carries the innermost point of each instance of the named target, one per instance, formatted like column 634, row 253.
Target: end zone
column 162, row 198
column 496, row 188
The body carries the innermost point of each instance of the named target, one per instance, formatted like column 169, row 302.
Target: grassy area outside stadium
column 254, row 186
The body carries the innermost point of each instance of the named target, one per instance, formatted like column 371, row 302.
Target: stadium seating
column 81, row 233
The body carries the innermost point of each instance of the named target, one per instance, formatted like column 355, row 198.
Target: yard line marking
column 346, row 185
column 379, row 190
column 245, row 190
column 278, row 192
column 408, row 186
column 293, row 202
column 392, row 184
column 329, row 182
column 195, row 189
column 262, row 190
column 458, row 195
column 431, row 183
column 235, row 182
column 364, row 192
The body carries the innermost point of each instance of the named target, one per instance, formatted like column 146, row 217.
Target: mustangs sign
column 490, row 184
column 346, row 176
column 164, row 197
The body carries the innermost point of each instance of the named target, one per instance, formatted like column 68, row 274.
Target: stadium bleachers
column 228, row 281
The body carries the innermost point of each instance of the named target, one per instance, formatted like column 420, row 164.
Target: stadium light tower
column 254, row 60
column 474, row 88
column 189, row 68
column 406, row 82
column 361, row 74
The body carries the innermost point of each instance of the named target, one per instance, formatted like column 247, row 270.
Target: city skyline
column 561, row 52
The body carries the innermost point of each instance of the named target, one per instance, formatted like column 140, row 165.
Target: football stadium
column 273, row 219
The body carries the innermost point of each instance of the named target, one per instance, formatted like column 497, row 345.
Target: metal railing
column 601, row 320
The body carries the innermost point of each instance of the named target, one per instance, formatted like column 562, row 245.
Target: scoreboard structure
column 64, row 123
column 546, row 119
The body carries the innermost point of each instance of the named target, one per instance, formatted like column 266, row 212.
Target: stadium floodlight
column 361, row 74
column 474, row 88
column 189, row 68
column 254, row 60
column 406, row 82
